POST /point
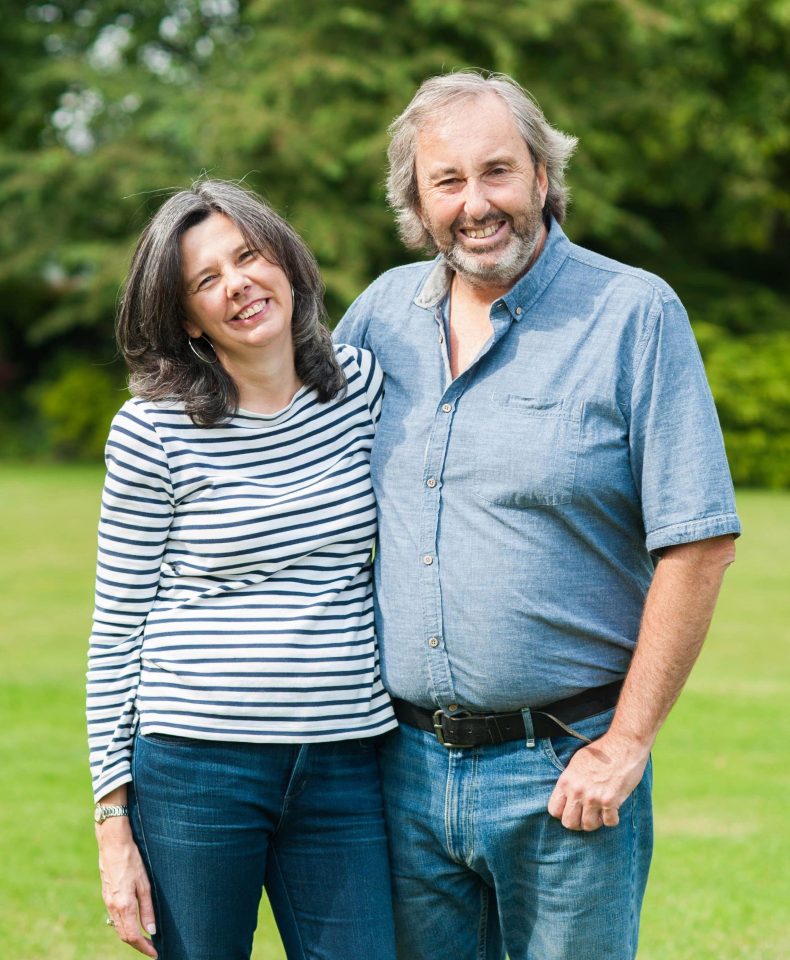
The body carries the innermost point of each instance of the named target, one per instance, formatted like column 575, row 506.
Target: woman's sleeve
column 136, row 513
column 373, row 379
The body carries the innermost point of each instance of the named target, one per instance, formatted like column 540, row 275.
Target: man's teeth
column 482, row 234
column 250, row 311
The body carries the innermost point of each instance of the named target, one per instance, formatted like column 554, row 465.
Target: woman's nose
column 236, row 281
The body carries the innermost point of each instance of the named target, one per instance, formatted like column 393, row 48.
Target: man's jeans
column 215, row 821
column 479, row 866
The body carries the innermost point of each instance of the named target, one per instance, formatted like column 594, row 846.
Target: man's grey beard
column 526, row 236
column 513, row 262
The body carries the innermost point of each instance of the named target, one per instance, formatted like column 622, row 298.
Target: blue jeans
column 215, row 822
column 479, row 866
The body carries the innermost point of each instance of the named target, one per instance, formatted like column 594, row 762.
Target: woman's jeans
column 215, row 822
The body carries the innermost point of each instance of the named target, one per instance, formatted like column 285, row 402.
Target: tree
column 681, row 108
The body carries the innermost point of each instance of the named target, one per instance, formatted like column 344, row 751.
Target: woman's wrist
column 112, row 806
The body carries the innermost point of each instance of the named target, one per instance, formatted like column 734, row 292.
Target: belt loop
column 529, row 730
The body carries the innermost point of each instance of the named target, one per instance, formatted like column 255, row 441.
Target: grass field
column 719, row 886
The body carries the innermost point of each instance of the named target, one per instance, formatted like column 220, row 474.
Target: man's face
column 481, row 198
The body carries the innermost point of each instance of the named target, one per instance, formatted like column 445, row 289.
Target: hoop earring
column 198, row 354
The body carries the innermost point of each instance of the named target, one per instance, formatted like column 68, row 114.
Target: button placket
column 437, row 662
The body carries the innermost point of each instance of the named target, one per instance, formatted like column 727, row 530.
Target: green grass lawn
column 719, row 886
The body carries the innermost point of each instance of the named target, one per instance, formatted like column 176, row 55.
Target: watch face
column 98, row 814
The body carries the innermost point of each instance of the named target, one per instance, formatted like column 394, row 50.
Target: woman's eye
column 248, row 255
column 205, row 281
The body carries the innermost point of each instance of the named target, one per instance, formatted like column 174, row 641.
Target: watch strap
column 103, row 811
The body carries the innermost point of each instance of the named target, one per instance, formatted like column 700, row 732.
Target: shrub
column 750, row 380
column 76, row 409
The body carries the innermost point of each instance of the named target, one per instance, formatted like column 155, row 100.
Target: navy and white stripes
column 233, row 589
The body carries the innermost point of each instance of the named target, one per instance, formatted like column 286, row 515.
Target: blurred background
column 682, row 110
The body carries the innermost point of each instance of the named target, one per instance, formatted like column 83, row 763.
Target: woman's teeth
column 250, row 311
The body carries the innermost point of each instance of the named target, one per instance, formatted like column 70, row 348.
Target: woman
column 233, row 683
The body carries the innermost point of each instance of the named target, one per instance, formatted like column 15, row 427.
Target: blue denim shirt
column 521, row 505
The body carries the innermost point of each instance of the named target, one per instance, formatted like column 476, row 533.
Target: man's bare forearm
column 677, row 614
column 676, row 618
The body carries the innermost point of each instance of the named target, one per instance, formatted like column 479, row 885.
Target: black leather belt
column 482, row 729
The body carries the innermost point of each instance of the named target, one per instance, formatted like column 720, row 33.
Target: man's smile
column 482, row 233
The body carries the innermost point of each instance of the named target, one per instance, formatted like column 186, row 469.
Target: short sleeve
column 677, row 451
column 353, row 327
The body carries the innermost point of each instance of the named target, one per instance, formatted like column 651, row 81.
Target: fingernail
column 151, row 928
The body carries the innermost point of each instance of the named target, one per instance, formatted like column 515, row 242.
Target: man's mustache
column 494, row 216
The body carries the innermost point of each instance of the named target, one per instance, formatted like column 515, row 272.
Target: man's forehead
column 479, row 130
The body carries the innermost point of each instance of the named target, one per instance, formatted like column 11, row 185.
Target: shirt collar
column 522, row 294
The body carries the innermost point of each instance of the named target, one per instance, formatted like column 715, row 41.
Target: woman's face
column 231, row 293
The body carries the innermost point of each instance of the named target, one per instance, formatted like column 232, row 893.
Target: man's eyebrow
column 504, row 161
column 438, row 173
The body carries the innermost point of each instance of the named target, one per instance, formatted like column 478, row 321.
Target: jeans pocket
column 167, row 739
column 560, row 750
column 526, row 455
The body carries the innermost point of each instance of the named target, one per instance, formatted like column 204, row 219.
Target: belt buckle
column 438, row 729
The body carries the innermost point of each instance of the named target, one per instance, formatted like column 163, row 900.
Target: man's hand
column 676, row 617
column 597, row 781
column 125, row 886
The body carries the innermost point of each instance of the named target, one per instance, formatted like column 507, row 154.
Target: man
column 556, row 514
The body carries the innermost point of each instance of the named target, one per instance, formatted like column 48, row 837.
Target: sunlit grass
column 718, row 889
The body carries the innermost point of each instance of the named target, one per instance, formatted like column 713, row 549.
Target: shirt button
column 446, row 407
column 427, row 559
column 431, row 482
column 433, row 642
column 452, row 707
column 519, row 311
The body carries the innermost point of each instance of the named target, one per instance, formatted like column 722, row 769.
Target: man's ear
column 542, row 180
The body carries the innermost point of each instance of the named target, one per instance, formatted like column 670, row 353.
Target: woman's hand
column 125, row 886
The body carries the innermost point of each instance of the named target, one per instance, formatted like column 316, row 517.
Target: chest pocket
column 527, row 452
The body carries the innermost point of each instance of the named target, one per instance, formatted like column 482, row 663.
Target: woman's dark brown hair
column 150, row 329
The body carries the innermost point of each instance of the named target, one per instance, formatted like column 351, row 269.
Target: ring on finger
column 109, row 921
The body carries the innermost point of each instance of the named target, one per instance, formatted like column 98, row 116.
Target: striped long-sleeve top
column 233, row 588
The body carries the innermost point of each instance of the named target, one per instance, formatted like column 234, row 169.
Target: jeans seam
column 284, row 886
column 448, row 805
column 301, row 760
column 161, row 945
column 471, row 812
column 482, row 930
column 632, row 885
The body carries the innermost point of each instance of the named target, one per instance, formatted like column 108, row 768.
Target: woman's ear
column 192, row 329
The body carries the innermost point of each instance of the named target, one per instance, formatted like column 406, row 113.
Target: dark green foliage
column 77, row 408
column 750, row 378
column 681, row 107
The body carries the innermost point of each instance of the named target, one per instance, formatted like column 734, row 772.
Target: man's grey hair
column 546, row 144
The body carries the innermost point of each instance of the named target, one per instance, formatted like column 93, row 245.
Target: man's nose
column 476, row 203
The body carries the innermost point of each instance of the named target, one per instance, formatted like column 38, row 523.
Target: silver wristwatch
column 102, row 812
